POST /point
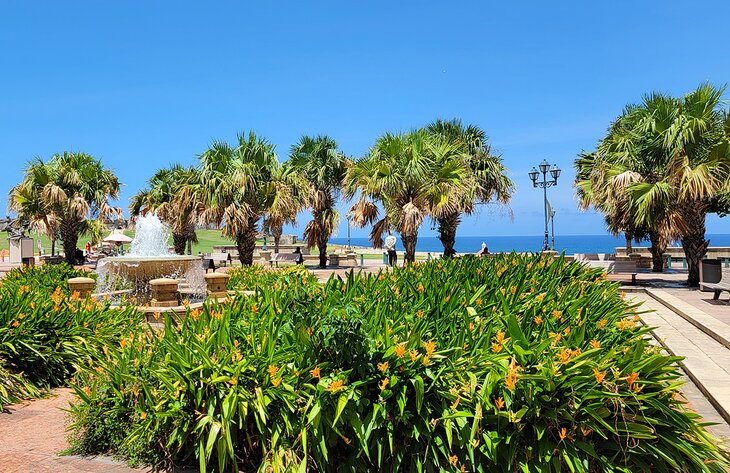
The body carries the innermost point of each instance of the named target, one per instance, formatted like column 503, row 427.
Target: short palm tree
column 412, row 176
column 162, row 197
column 62, row 195
column 291, row 193
column 487, row 180
column 235, row 188
column 670, row 158
column 324, row 167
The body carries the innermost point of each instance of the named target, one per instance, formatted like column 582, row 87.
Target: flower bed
column 506, row 364
column 46, row 332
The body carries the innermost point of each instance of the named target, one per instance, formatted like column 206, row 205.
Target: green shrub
column 45, row 333
column 508, row 364
column 256, row 276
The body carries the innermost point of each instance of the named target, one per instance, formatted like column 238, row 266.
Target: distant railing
column 677, row 259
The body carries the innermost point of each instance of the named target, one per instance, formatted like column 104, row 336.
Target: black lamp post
column 554, row 173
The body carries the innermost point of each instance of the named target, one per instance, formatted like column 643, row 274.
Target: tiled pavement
column 706, row 360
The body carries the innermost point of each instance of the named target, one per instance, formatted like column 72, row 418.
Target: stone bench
column 717, row 288
column 277, row 258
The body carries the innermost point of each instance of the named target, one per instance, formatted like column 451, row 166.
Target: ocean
column 568, row 243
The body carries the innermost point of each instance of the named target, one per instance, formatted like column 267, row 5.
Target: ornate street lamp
column 554, row 173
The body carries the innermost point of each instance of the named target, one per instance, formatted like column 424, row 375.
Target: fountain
column 149, row 259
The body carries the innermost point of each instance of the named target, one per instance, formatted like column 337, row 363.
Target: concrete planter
column 164, row 292
column 84, row 286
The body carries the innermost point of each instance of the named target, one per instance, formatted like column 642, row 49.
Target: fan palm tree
column 291, row 191
column 673, row 157
column 486, row 180
column 318, row 161
column 62, row 195
column 162, row 197
column 413, row 176
column 235, row 187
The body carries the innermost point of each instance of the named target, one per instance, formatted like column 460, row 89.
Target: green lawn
column 206, row 240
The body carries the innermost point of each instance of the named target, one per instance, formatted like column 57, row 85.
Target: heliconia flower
column 455, row 404
column 420, row 288
column 315, row 372
column 499, row 402
column 335, row 386
column 599, row 375
column 400, row 350
column 414, row 354
column 419, row 314
column 143, row 415
column 276, row 382
column 384, row 384
column 631, row 378
column 538, row 320
column 602, row 324
column 383, row 367
column 272, row 370
column 430, row 347
column 563, row 433
column 595, row 344
column 453, row 459
column 496, row 347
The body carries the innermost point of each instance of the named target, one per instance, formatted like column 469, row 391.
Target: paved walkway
column 32, row 434
column 706, row 356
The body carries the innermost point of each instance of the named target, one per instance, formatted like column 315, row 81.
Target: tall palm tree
column 162, row 196
column 412, row 176
column 486, row 180
column 235, row 188
column 318, row 160
column 673, row 155
column 60, row 196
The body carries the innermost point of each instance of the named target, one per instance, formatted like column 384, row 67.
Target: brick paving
column 33, row 433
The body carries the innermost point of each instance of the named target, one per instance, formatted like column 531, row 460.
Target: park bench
column 209, row 262
column 716, row 287
column 284, row 258
column 625, row 267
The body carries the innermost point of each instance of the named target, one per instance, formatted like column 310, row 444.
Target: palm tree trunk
column 447, row 232
column 178, row 241
column 246, row 242
column 322, row 245
column 658, row 248
column 629, row 243
column 693, row 241
column 409, row 242
column 69, row 237
column 277, row 239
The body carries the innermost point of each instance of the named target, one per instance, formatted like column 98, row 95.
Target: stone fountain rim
column 151, row 259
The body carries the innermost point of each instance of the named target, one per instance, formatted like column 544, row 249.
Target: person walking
column 390, row 241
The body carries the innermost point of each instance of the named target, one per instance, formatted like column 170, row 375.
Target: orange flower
column 538, row 320
column 315, row 372
column 540, row 297
column 272, row 370
column 16, row 323
column 500, row 337
column 383, row 367
column 595, row 344
column 309, row 331
column 557, row 314
column 419, row 314
column 499, row 402
column 496, row 347
column 335, row 386
column 143, row 415
column 453, row 459
column 631, row 379
column 87, row 390
column 384, row 384
column 455, row 404
column 254, row 308
column 567, row 330
column 233, row 381
column 430, row 347
column 420, row 288
column 502, row 290
column 479, row 301
column 565, row 355
column 414, row 354
column 400, row 350
column 563, row 433
column 447, row 298
column 276, row 382
column 602, row 324
column 600, row 375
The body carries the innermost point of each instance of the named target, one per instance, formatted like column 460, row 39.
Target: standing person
column 390, row 248
column 300, row 257
column 484, row 251
column 88, row 249
column 40, row 247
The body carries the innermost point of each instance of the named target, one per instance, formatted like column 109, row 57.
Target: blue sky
column 141, row 85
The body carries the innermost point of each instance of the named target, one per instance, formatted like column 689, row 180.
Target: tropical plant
column 517, row 363
column 486, row 179
column 291, row 191
column 669, row 158
column 163, row 197
column 60, row 197
column 412, row 175
column 236, row 187
column 319, row 161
